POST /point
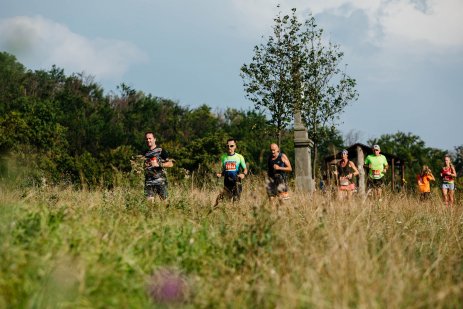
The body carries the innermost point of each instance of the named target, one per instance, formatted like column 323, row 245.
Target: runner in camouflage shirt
column 156, row 159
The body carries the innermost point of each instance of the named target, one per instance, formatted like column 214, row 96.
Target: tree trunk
column 360, row 162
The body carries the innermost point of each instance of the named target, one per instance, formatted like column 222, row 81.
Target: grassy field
column 65, row 248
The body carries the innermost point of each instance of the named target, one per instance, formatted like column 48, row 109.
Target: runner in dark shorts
column 375, row 183
column 233, row 170
column 156, row 159
column 278, row 166
column 377, row 167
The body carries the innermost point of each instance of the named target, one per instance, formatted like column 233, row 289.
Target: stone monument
column 303, row 163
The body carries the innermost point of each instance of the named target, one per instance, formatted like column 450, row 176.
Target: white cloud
column 437, row 23
column 39, row 43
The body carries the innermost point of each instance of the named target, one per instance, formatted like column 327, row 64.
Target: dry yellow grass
column 311, row 252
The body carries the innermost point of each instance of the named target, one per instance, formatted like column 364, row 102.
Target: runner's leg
column 149, row 193
column 451, row 194
column 445, row 196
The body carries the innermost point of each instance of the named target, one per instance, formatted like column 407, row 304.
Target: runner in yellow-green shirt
column 377, row 165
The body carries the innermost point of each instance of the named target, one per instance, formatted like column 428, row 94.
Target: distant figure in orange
column 424, row 186
column 448, row 175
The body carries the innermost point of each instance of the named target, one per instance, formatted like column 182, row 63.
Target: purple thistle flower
column 168, row 286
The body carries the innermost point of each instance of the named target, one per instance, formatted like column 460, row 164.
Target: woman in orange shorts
column 346, row 170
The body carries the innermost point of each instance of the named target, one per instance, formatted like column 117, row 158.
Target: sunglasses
column 230, row 146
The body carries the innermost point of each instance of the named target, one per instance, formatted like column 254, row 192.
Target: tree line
column 64, row 128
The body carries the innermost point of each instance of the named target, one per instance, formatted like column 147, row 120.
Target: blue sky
column 407, row 55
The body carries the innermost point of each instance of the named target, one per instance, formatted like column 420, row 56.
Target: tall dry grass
column 97, row 249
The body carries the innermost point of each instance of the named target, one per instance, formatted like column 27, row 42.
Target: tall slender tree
column 297, row 70
column 267, row 79
column 326, row 87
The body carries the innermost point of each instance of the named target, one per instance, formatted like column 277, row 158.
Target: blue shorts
column 448, row 185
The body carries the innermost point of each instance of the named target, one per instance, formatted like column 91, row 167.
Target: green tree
column 331, row 144
column 11, row 81
column 297, row 70
column 81, row 102
column 254, row 134
column 459, row 160
column 326, row 87
column 199, row 123
column 267, row 80
column 13, row 130
column 43, row 84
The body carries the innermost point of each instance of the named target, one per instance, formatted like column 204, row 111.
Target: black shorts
column 276, row 185
column 232, row 189
column 375, row 183
column 160, row 189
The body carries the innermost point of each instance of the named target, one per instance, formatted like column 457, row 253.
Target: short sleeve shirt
column 232, row 164
column 377, row 165
column 155, row 173
column 423, row 183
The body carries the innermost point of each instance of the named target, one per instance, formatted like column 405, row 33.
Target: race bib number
column 344, row 182
column 230, row 166
column 376, row 174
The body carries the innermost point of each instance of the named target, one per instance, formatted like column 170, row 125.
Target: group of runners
column 448, row 175
column 377, row 168
column 234, row 170
column 346, row 171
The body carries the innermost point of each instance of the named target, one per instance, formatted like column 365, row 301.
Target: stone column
column 303, row 163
